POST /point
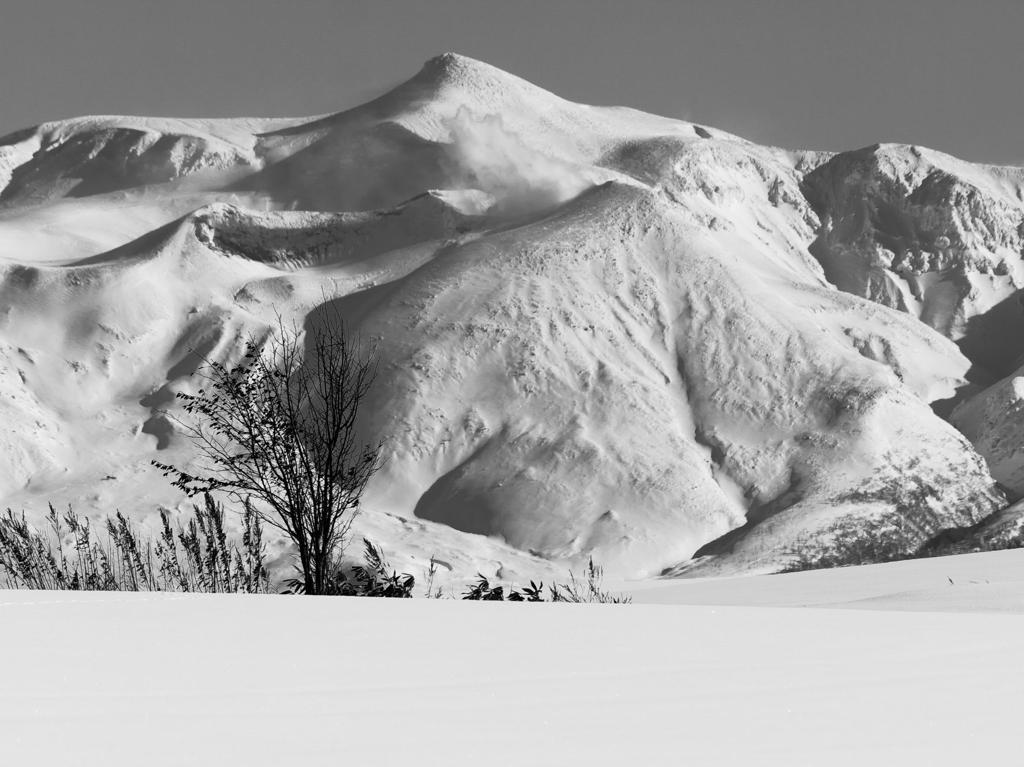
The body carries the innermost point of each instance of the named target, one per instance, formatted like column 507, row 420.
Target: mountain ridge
column 602, row 332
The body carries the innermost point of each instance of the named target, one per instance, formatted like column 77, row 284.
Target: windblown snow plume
column 484, row 154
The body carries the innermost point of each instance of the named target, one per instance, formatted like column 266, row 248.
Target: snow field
column 127, row 679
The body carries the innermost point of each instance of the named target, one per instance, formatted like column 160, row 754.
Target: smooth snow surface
column 126, row 679
column 601, row 332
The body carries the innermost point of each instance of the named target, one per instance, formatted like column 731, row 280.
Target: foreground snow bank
column 127, row 679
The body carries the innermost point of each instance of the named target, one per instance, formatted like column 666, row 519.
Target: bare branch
column 279, row 427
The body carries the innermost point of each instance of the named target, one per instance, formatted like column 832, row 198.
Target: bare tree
column 279, row 427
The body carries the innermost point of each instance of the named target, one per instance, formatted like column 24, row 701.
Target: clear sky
column 831, row 74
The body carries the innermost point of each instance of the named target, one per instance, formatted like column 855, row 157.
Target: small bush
column 197, row 557
column 588, row 590
column 430, row 591
column 373, row 578
column 483, row 591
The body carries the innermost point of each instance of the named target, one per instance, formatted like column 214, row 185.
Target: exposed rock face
column 930, row 235
column 920, row 231
column 600, row 331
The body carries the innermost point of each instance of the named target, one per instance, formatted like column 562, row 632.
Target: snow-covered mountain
column 601, row 331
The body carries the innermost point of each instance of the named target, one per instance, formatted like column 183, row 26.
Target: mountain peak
column 451, row 64
column 453, row 70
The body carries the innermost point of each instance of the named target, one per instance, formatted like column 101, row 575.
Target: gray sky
column 830, row 74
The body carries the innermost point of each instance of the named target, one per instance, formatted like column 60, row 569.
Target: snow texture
column 884, row 668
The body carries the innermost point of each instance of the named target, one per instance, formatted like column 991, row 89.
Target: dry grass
column 197, row 556
column 585, row 590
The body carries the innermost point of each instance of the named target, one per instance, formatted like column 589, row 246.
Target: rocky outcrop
column 921, row 232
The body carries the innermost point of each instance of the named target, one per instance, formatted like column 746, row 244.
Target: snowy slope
column 601, row 332
column 942, row 239
column 124, row 679
column 993, row 420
